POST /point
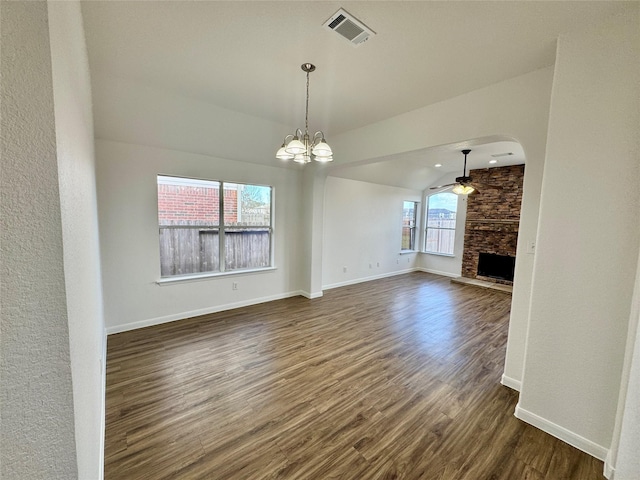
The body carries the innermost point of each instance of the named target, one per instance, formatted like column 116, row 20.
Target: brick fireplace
column 492, row 218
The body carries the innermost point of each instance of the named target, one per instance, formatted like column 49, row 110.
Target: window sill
column 407, row 252
column 439, row 254
column 205, row 276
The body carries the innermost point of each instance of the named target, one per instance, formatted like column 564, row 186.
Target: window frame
column 427, row 227
column 221, row 228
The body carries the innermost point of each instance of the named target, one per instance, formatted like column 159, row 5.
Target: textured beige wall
column 37, row 424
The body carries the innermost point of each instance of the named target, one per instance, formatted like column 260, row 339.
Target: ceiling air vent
column 349, row 27
column 498, row 155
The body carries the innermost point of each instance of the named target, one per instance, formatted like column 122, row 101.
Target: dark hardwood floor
column 395, row 378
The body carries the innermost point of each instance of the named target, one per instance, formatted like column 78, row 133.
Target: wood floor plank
column 396, row 378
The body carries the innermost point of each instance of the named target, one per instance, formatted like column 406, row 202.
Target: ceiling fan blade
column 442, row 186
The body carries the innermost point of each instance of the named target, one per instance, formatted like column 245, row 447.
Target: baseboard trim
column 438, row 272
column 609, row 470
column 512, row 383
column 203, row 311
column 368, row 279
column 311, row 296
column 567, row 436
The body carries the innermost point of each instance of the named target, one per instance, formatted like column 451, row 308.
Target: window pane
column 441, row 223
column 247, row 248
column 440, row 241
column 188, row 250
column 188, row 214
column 408, row 238
column 247, row 205
column 186, row 201
column 408, row 225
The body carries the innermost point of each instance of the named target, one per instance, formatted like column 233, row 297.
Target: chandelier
column 302, row 148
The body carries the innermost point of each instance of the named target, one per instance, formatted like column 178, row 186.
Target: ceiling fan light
column 324, row 159
column 295, row 147
column 463, row 189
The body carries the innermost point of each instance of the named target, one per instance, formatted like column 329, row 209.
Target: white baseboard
column 512, row 383
column 311, row 296
column 439, row 272
column 203, row 311
column 368, row 279
column 567, row 436
column 609, row 470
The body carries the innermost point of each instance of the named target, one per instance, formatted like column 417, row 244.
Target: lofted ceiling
column 245, row 56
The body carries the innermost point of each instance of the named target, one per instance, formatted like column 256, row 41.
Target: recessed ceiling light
column 438, row 165
column 493, row 161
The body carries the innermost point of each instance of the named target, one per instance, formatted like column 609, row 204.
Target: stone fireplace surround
column 492, row 218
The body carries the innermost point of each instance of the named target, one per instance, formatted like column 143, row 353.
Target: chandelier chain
column 306, row 116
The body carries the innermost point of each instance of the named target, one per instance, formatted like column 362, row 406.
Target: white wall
column 517, row 109
column 36, row 395
column 76, row 176
column 588, row 239
column 127, row 205
column 363, row 231
column 143, row 114
column 623, row 456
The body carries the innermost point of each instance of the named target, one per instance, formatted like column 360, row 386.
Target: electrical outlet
column 407, row 259
column 234, row 286
column 378, row 264
column 344, row 269
column 398, row 261
column 371, row 265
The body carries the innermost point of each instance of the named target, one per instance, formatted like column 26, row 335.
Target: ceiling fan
column 463, row 185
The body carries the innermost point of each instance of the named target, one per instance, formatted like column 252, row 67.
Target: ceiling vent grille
column 498, row 155
column 349, row 27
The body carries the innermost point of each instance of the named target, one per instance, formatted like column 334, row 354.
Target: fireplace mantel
column 490, row 220
column 492, row 225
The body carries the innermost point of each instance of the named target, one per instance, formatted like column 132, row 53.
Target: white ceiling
column 417, row 169
column 246, row 55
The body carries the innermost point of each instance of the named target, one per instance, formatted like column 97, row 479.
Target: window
column 193, row 233
column 409, row 212
column 441, row 223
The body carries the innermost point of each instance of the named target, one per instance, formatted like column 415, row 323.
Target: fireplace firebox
column 496, row 266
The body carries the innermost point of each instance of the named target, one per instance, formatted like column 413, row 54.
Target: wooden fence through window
column 190, row 249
